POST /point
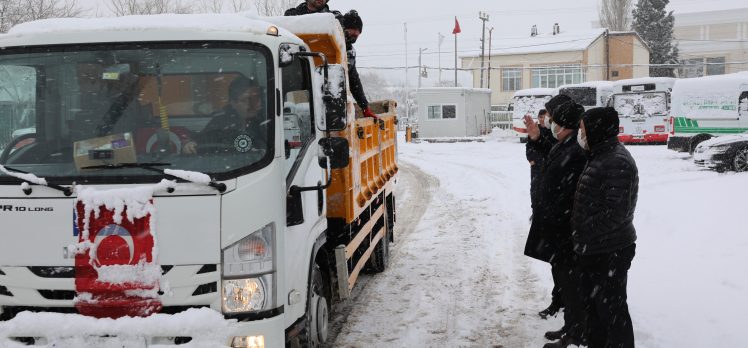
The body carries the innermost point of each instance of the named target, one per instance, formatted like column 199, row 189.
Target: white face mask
column 546, row 122
column 582, row 140
column 554, row 131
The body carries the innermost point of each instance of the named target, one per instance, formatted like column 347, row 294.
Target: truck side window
column 298, row 115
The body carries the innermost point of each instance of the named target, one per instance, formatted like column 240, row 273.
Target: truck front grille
column 53, row 272
column 206, row 289
column 57, row 294
column 10, row 312
column 4, row 291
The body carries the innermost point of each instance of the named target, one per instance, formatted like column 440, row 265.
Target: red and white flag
column 456, row 30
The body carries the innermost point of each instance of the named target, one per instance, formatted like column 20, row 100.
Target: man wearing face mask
column 604, row 234
column 539, row 144
column 550, row 234
column 352, row 27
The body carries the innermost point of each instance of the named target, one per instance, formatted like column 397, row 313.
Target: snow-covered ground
column 458, row 277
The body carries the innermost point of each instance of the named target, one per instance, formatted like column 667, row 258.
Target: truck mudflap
column 202, row 327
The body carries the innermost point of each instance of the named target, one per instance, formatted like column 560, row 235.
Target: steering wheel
column 13, row 143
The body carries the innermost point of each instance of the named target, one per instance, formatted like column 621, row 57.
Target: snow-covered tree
column 615, row 14
column 273, row 7
column 655, row 25
column 13, row 12
column 144, row 7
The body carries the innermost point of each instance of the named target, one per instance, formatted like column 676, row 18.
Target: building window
column 553, row 77
column 437, row 112
column 715, row 66
column 693, row 67
column 511, row 79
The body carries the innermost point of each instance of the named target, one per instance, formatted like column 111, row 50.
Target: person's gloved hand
column 369, row 113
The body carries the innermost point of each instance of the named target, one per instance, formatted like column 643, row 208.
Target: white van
column 528, row 102
column 706, row 107
column 643, row 107
column 589, row 94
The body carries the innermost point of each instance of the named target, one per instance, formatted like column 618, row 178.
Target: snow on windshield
column 640, row 105
column 529, row 105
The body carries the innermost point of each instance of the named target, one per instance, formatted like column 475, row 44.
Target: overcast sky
column 382, row 43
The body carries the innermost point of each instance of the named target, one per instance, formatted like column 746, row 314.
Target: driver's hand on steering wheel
column 190, row 148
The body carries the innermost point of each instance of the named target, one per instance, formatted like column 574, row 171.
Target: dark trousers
column 568, row 279
column 605, row 277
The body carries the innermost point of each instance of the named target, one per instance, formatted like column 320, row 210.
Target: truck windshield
column 641, row 104
column 529, row 105
column 585, row 96
column 68, row 111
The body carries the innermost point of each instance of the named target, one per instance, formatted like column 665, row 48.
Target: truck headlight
column 248, row 273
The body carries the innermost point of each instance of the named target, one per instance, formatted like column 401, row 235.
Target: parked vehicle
column 706, row 107
column 528, row 102
column 643, row 107
column 589, row 94
column 729, row 152
column 262, row 234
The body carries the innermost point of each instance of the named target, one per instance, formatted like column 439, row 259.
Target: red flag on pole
column 456, row 30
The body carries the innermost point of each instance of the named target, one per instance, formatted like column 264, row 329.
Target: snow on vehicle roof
column 709, row 97
column 717, row 84
column 603, row 85
column 535, row 92
column 452, row 89
column 542, row 43
column 644, row 80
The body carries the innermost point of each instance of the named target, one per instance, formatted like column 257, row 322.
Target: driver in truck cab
column 241, row 124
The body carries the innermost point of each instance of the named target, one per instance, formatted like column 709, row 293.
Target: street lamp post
column 490, row 32
column 483, row 17
column 420, row 67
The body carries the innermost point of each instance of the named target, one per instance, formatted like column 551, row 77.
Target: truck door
column 305, row 214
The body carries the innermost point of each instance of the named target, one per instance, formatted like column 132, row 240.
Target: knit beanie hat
column 568, row 114
column 352, row 20
column 600, row 124
column 552, row 104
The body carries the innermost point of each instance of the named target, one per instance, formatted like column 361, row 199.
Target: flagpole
column 407, row 108
column 455, row 59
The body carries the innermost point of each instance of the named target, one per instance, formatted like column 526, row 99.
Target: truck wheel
column 740, row 162
column 318, row 310
column 381, row 254
column 695, row 141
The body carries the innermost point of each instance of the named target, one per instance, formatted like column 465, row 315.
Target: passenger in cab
column 241, row 125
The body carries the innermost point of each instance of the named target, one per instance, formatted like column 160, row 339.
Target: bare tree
column 13, row 12
column 210, row 6
column 240, row 5
column 616, row 14
column 273, row 7
column 144, row 7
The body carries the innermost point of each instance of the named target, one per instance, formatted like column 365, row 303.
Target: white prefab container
column 453, row 112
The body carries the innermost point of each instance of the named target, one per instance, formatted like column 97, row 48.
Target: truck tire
column 318, row 310
column 740, row 161
column 381, row 255
column 695, row 141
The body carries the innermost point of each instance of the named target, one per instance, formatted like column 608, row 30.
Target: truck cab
column 209, row 163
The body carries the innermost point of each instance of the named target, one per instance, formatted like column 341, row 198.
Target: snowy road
column 458, row 276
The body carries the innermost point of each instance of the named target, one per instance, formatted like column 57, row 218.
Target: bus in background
column 643, row 107
column 528, row 102
column 589, row 94
column 705, row 107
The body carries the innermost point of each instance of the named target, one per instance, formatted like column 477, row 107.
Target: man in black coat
column 604, row 234
column 539, row 144
column 309, row 7
column 550, row 234
column 352, row 27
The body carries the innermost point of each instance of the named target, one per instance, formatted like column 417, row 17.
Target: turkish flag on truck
column 117, row 276
column 456, row 30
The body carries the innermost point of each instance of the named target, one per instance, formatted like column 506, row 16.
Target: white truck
column 643, row 107
column 706, row 107
column 527, row 102
column 245, row 242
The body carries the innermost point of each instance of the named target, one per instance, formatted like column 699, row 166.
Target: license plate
column 95, row 341
column 638, row 137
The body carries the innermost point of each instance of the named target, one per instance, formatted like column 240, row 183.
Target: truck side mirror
column 336, row 150
column 334, row 96
column 286, row 54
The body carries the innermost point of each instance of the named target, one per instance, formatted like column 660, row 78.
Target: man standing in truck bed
column 309, row 7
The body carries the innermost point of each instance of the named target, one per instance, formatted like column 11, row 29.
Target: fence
column 500, row 119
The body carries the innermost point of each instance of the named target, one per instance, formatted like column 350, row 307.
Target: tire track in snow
column 435, row 293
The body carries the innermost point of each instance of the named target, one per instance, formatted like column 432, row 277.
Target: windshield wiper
column 67, row 191
column 221, row 187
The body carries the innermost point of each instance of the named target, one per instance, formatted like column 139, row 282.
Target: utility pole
column 407, row 108
column 420, row 68
column 483, row 17
column 490, row 32
column 441, row 38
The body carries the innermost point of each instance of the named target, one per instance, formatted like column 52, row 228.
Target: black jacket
column 537, row 151
column 303, row 9
column 357, row 88
column 550, row 232
column 605, row 200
